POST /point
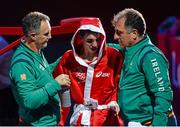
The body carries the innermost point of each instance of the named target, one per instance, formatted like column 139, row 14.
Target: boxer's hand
column 63, row 80
column 114, row 106
column 135, row 124
column 90, row 102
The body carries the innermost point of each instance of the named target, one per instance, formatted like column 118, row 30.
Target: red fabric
column 96, row 81
column 64, row 114
column 103, row 89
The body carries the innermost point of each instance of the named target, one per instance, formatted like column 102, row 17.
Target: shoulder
column 113, row 51
column 151, row 52
column 67, row 57
column 114, row 45
column 68, row 53
column 21, row 59
column 114, row 56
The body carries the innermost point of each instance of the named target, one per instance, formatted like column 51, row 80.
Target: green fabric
column 114, row 45
column 34, row 88
column 53, row 65
column 145, row 71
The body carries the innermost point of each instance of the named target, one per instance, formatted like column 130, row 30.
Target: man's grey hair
column 133, row 20
column 32, row 22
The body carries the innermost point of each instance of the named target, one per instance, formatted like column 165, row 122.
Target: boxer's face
column 91, row 45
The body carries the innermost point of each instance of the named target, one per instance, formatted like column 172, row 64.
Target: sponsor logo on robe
column 80, row 74
column 102, row 74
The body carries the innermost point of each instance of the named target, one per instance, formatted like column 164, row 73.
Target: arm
column 54, row 64
column 64, row 95
column 25, row 86
column 117, row 71
column 117, row 59
column 114, row 45
column 64, row 67
column 155, row 68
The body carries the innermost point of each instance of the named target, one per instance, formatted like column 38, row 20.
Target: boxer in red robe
column 94, row 70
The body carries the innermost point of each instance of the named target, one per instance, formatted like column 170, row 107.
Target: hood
column 94, row 25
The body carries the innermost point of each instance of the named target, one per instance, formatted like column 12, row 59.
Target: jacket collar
column 133, row 49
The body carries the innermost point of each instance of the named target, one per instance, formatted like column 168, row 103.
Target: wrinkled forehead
column 45, row 26
column 120, row 22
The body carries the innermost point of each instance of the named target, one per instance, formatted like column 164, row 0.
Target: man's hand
column 63, row 80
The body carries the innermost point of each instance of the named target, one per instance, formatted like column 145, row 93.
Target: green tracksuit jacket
column 34, row 87
column 144, row 88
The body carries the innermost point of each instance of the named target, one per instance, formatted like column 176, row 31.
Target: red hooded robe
column 95, row 82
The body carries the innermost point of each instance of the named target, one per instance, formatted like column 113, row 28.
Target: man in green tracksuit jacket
column 145, row 93
column 34, row 88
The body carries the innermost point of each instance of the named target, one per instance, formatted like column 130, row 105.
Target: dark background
column 154, row 11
